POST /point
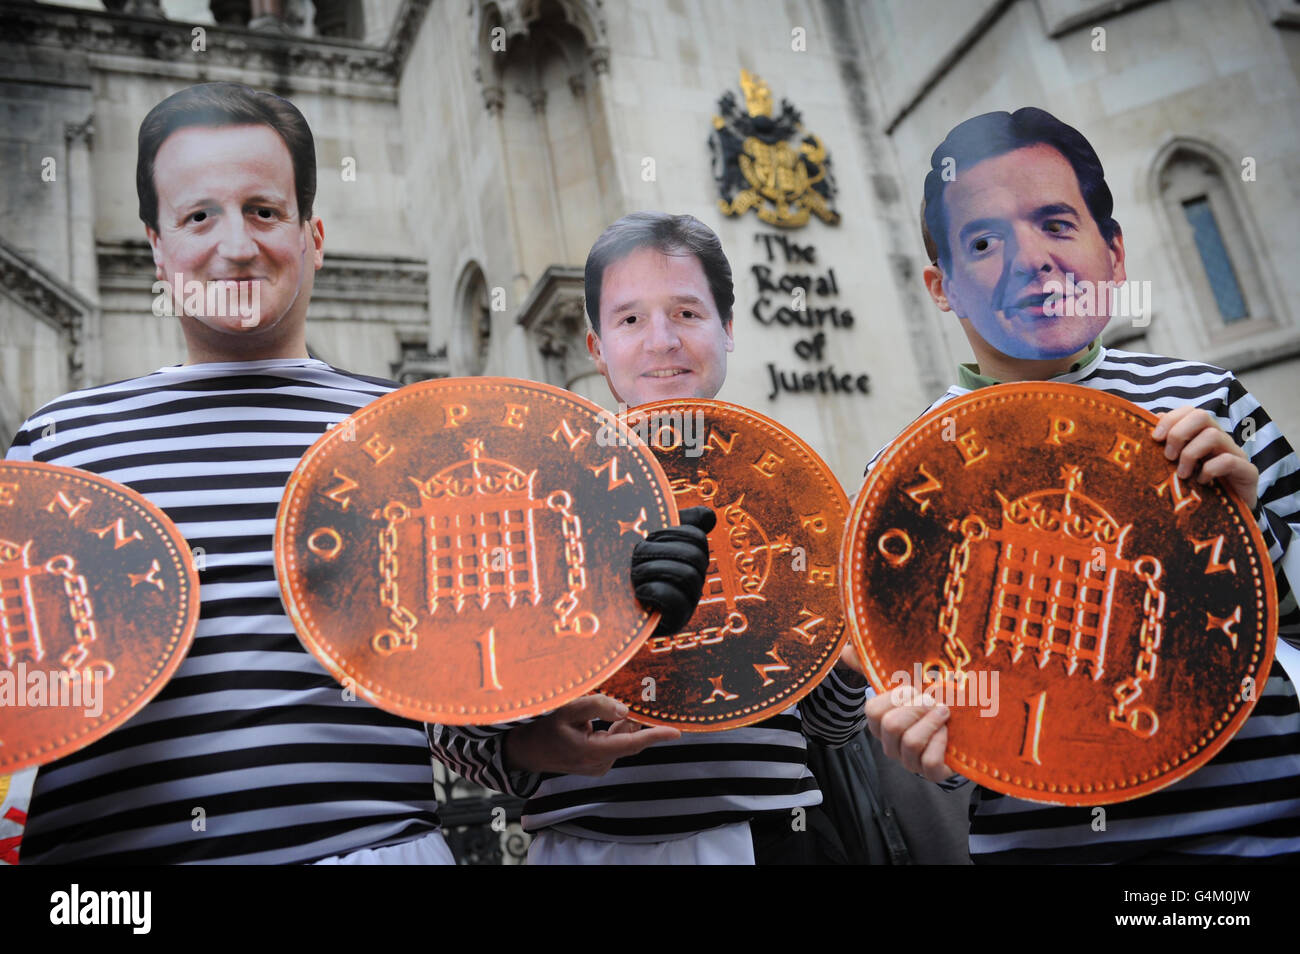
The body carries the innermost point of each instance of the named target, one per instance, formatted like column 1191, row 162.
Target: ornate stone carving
column 579, row 29
column 536, row 98
column 553, row 315
column 152, row 38
column 409, row 18
column 51, row 300
column 418, row 363
column 84, row 131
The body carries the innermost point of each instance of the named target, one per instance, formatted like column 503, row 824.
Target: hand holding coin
column 565, row 741
column 1193, row 438
column 668, row 568
column 912, row 729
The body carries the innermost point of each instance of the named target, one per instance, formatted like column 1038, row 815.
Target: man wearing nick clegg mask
column 659, row 301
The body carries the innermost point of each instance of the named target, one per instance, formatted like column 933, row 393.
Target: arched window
column 1216, row 247
column 471, row 338
column 543, row 67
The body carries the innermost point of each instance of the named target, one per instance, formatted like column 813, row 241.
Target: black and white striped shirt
column 1245, row 803
column 251, row 730
column 672, row 789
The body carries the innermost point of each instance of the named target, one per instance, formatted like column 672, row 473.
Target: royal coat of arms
column 769, row 163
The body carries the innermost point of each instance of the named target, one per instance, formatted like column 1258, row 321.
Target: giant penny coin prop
column 458, row 550
column 1098, row 626
column 769, row 624
column 99, row 599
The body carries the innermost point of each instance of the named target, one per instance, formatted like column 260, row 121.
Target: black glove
column 668, row 568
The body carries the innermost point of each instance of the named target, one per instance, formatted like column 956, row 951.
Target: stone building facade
column 469, row 153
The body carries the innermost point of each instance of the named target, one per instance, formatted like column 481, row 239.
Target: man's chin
column 689, row 386
column 676, row 387
column 1038, row 351
column 1036, row 338
column 248, row 325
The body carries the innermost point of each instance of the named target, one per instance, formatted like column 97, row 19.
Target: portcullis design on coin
column 769, row 625
column 458, row 550
column 1099, row 627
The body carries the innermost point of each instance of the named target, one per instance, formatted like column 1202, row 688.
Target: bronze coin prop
column 770, row 623
column 99, row 600
column 458, row 550
column 1098, row 627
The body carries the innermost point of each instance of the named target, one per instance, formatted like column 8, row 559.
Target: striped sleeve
column 477, row 752
column 949, row 784
column 833, row 712
column 1278, row 512
column 21, row 448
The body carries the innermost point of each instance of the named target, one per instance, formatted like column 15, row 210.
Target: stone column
column 601, row 121
column 78, row 139
column 83, row 267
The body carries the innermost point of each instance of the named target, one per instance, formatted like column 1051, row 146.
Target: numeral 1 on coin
column 487, row 658
column 1033, row 727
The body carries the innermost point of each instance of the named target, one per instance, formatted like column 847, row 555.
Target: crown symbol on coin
column 1067, row 511
column 739, row 567
column 758, row 95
